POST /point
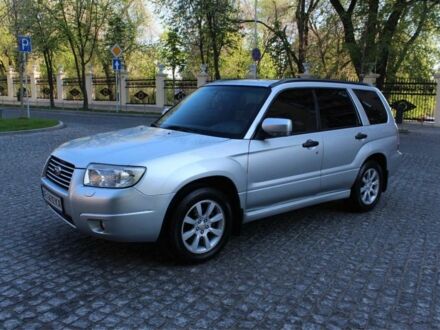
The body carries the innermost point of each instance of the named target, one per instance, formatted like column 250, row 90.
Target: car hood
column 132, row 146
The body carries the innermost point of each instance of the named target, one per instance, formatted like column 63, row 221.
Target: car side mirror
column 277, row 126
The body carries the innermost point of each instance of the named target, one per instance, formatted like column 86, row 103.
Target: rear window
column 373, row 106
column 336, row 109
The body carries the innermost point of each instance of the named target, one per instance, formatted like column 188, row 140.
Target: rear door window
column 372, row 105
column 336, row 109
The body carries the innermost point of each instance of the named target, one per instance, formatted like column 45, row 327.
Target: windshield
column 225, row 111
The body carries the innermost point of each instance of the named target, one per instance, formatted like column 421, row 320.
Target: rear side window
column 373, row 106
column 336, row 109
column 297, row 105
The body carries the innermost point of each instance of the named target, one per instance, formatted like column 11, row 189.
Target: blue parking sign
column 117, row 65
column 24, row 44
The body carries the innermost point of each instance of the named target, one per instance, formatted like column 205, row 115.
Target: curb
column 89, row 113
column 36, row 130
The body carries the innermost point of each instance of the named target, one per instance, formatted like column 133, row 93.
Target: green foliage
column 172, row 52
column 393, row 37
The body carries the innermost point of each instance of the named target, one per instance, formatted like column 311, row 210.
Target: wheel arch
column 381, row 159
column 219, row 182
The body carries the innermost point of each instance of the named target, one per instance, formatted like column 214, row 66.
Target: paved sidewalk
column 321, row 267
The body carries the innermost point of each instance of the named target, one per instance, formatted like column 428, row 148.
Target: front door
column 286, row 168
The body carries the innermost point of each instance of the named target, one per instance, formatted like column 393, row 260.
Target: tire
column 200, row 226
column 367, row 189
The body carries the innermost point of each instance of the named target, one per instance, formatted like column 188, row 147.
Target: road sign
column 24, row 44
column 116, row 50
column 117, row 65
column 256, row 54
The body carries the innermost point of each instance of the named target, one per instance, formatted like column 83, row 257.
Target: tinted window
column 225, row 111
column 336, row 109
column 297, row 105
column 373, row 106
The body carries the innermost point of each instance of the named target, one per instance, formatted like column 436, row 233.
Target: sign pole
column 117, row 90
column 24, row 46
column 28, row 88
column 21, row 82
column 120, row 91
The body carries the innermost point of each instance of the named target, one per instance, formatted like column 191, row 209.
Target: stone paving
column 321, row 267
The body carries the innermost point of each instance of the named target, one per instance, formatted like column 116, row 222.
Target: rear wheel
column 200, row 225
column 366, row 191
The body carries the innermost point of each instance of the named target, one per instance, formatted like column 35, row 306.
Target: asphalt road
column 321, row 267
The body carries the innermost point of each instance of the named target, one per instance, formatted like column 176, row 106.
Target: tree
column 124, row 20
column 172, row 52
column 210, row 24
column 81, row 22
column 280, row 25
column 372, row 46
column 46, row 38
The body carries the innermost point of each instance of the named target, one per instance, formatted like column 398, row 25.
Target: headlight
column 112, row 176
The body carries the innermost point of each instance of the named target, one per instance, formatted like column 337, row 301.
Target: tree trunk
column 83, row 86
column 49, row 71
column 216, row 59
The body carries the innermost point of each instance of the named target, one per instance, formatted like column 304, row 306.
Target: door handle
column 310, row 143
column 361, row 136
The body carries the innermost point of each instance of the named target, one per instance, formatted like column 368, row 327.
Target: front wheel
column 366, row 191
column 200, row 225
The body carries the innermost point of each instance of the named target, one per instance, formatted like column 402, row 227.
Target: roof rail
column 291, row 80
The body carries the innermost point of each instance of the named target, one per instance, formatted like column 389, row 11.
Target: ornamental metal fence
column 177, row 90
column 16, row 87
column 43, row 89
column 417, row 97
column 104, row 89
column 141, row 91
column 71, row 90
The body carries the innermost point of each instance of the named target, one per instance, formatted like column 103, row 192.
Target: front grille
column 60, row 172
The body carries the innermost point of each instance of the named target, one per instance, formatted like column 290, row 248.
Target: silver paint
column 271, row 176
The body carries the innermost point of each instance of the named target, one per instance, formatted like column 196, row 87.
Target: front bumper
column 114, row 214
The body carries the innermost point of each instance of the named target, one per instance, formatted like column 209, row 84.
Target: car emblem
column 57, row 170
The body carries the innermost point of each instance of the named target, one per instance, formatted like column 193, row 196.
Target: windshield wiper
column 181, row 128
column 154, row 125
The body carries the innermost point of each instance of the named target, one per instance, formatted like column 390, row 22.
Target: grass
column 23, row 124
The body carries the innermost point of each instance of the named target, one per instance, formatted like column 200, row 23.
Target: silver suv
column 231, row 153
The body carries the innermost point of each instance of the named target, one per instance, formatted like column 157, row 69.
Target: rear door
column 286, row 168
column 343, row 136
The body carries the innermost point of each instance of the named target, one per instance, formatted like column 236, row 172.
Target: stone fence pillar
column 60, row 77
column 89, row 86
column 202, row 79
column 33, row 77
column 370, row 78
column 123, row 87
column 437, row 100
column 160, row 87
column 10, row 83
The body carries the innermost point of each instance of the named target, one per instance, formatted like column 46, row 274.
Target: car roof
column 273, row 83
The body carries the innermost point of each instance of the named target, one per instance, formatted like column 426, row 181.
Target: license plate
column 53, row 200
